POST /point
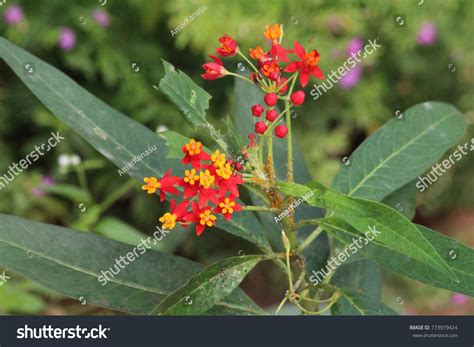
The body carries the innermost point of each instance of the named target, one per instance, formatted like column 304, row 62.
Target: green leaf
column 316, row 254
column 459, row 257
column 191, row 99
column 72, row 262
column 114, row 135
column 403, row 200
column 359, row 304
column 401, row 150
column 394, row 230
column 207, row 288
column 68, row 191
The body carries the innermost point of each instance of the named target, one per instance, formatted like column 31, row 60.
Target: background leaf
column 71, row 263
column 359, row 304
column 208, row 287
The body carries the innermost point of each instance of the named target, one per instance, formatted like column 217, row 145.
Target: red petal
column 304, row 78
column 292, row 67
column 316, row 72
column 299, row 50
column 216, row 59
column 199, row 229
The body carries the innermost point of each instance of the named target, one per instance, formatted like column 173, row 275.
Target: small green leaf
column 459, row 257
column 359, row 304
column 191, row 99
column 68, row 191
column 207, row 288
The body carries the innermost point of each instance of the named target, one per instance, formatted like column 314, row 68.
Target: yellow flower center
column 218, row 158
column 311, row 58
column 224, row 171
column 190, row 176
column 206, row 218
column 272, row 32
column 168, row 220
column 227, row 206
column 193, row 147
column 151, row 185
column 206, row 179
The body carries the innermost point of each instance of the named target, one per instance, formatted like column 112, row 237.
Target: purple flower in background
column 351, row 78
column 354, row 46
column 459, row 299
column 426, row 35
column 101, row 17
column 45, row 181
column 67, row 39
column 13, row 14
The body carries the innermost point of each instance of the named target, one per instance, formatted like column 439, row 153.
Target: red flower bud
column 297, row 98
column 238, row 166
column 271, row 115
column 228, row 46
column 271, row 99
column 257, row 110
column 281, row 131
column 260, row 127
column 214, row 70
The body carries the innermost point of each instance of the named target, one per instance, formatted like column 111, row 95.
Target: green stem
column 239, row 76
column 304, row 222
column 253, row 67
column 117, row 194
column 290, row 136
column 310, row 239
column 259, row 208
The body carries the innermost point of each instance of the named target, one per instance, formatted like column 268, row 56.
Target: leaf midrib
column 383, row 162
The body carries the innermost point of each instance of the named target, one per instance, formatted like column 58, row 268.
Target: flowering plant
column 307, row 230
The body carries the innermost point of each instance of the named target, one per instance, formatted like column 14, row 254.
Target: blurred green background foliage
column 115, row 52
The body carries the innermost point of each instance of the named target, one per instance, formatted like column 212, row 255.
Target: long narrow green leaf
column 72, row 263
column 393, row 229
column 359, row 304
column 459, row 257
column 208, row 287
column 426, row 132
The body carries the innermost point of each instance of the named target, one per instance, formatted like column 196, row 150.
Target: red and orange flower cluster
column 268, row 75
column 210, row 187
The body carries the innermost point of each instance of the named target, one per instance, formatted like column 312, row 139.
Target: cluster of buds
column 209, row 188
column 268, row 75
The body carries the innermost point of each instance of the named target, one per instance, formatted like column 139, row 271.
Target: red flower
column 214, row 70
column 190, row 182
column 227, row 206
column 307, row 65
column 279, row 52
column 177, row 213
column 201, row 216
column 228, row 46
column 194, row 154
column 206, row 193
column 164, row 185
column 227, row 181
column 270, row 69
